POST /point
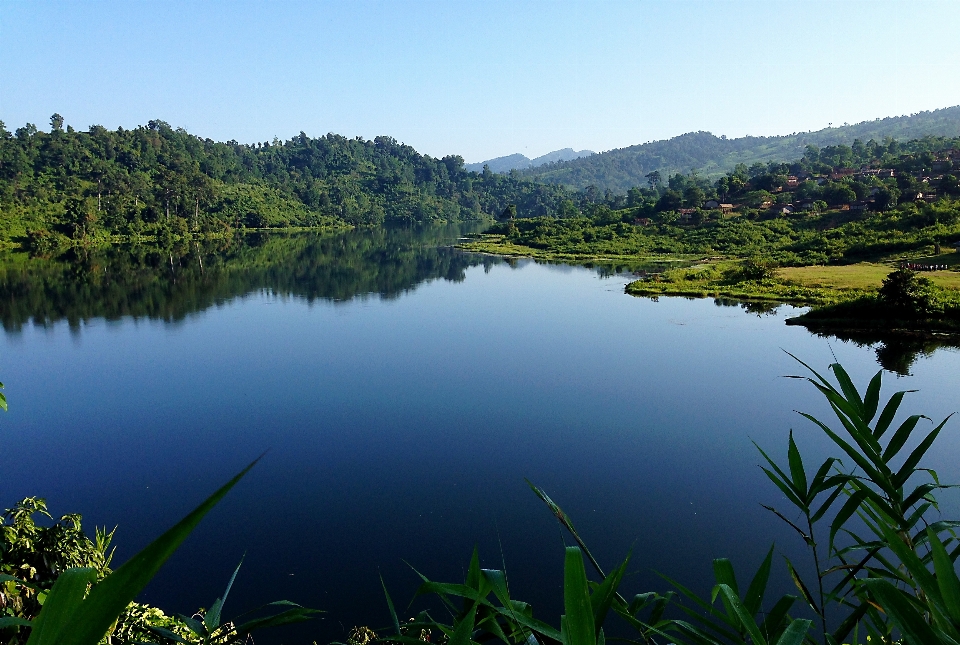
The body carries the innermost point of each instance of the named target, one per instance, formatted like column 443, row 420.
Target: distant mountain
column 621, row 169
column 520, row 162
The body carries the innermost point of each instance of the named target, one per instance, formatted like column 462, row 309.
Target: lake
column 403, row 391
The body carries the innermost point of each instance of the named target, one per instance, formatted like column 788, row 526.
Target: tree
column 886, row 197
column 654, row 179
column 671, row 200
column 693, row 196
column 56, row 123
column 905, row 291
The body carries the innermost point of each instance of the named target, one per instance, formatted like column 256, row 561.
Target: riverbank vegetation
column 882, row 556
column 66, row 187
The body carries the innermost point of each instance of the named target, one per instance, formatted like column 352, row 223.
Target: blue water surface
column 399, row 431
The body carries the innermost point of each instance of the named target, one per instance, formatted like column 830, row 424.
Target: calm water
column 404, row 392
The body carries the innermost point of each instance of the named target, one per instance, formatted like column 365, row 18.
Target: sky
column 479, row 79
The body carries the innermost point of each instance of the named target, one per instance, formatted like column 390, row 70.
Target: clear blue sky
column 480, row 79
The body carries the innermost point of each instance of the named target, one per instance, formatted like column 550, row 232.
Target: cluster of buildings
column 928, row 183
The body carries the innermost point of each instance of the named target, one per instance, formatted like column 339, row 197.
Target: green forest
column 710, row 155
column 158, row 182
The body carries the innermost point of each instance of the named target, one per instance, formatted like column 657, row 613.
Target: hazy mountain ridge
column 620, row 169
column 518, row 161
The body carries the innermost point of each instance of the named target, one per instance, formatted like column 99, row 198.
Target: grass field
column 863, row 276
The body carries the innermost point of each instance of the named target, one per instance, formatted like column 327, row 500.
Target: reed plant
column 869, row 518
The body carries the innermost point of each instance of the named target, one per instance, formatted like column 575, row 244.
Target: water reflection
column 895, row 353
column 171, row 283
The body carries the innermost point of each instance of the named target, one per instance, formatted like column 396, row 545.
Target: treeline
column 837, row 175
column 621, row 169
column 157, row 180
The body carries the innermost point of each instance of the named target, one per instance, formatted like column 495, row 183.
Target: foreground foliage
column 87, row 604
column 884, row 559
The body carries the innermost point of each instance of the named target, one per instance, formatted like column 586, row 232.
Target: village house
column 727, row 208
column 840, row 173
column 642, row 221
column 785, row 209
column 792, row 181
column 859, row 205
column 711, row 204
column 686, row 214
column 941, row 165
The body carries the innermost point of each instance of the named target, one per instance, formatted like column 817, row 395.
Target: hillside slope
column 518, row 161
column 621, row 169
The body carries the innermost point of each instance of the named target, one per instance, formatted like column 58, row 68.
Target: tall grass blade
column 58, row 616
column 108, row 598
column 795, row 632
column 758, row 585
column 909, row 621
column 946, row 576
column 211, row 619
column 871, row 400
column 578, row 623
column 393, row 612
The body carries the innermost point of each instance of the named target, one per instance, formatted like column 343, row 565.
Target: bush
column 907, row 292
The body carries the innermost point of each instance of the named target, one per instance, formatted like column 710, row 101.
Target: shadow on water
column 147, row 281
column 895, row 353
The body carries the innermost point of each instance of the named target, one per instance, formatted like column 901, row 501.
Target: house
column 686, row 214
column 711, row 204
column 793, row 181
column 941, row 165
column 859, row 205
column 805, row 204
column 785, row 209
column 727, row 208
column 643, row 221
column 840, row 173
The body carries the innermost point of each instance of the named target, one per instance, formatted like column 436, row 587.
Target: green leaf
column 798, row 581
column 849, row 390
column 464, row 629
column 578, row 625
column 473, row 572
column 771, row 623
column 724, row 574
column 872, row 398
column 13, row 621
column 910, row 464
column 758, row 585
column 109, row 597
column 393, row 613
column 602, row 597
column 295, row 615
column 61, row 610
column 211, row 620
column 795, row 632
column 901, row 435
column 846, row 512
column 741, row 612
column 889, row 412
column 947, row 579
column 797, row 473
column 908, row 620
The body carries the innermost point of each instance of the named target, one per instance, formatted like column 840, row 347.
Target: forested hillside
column 621, row 169
column 156, row 180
